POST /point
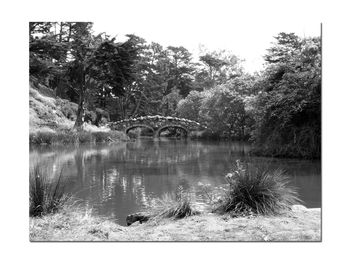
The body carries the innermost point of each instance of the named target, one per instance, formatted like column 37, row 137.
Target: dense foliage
column 288, row 108
column 224, row 109
column 278, row 109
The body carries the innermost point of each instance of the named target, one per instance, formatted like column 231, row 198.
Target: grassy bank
column 300, row 224
column 51, row 121
column 52, row 137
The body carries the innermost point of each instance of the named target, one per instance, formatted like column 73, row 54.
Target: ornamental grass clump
column 45, row 196
column 257, row 191
column 172, row 206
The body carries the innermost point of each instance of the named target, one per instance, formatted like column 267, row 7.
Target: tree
column 223, row 112
column 287, row 46
column 144, row 95
column 162, row 77
column 105, row 61
column 45, row 52
column 180, row 70
column 81, row 52
column 170, row 102
column 189, row 107
column 288, row 111
column 216, row 68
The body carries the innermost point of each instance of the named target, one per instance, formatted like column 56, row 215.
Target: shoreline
column 301, row 224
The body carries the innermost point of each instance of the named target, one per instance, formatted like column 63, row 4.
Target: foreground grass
column 172, row 205
column 45, row 196
column 258, row 191
column 300, row 224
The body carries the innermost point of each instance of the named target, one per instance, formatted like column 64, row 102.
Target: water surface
column 119, row 179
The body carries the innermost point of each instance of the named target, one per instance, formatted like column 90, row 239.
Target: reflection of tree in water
column 80, row 165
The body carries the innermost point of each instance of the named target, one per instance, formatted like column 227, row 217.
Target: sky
column 215, row 27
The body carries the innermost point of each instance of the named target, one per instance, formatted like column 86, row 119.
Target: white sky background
column 219, row 25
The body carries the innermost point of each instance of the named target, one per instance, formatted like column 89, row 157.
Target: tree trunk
column 243, row 127
column 137, row 107
column 80, row 114
column 70, row 32
column 61, row 31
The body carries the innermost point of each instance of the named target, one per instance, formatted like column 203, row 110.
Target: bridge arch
column 157, row 133
column 138, row 126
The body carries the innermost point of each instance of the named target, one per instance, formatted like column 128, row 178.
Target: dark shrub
column 42, row 137
column 90, row 116
column 101, row 136
column 102, row 117
column 66, row 137
column 84, row 137
column 69, row 109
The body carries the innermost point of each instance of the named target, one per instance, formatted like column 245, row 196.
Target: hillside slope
column 47, row 111
column 51, row 120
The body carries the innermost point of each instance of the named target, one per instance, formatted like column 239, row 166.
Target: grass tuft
column 45, row 196
column 172, row 206
column 257, row 191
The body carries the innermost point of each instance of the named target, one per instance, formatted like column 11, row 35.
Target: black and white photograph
column 169, row 122
column 135, row 140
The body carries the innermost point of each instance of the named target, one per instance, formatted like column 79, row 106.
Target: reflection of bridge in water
column 152, row 152
column 157, row 124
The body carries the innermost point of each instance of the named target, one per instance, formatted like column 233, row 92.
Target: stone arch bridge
column 156, row 124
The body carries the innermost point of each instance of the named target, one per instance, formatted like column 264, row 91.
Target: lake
column 119, row 179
